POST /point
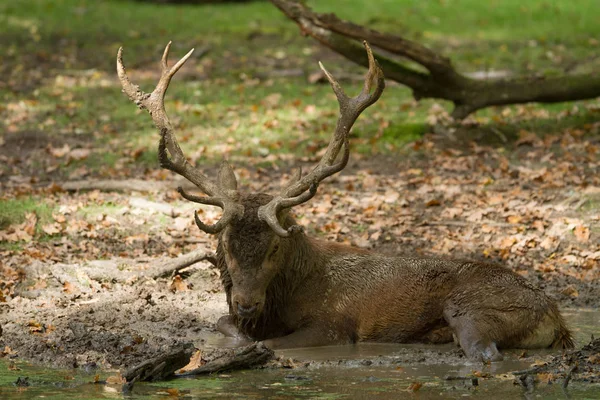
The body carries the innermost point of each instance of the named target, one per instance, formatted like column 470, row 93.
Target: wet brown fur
column 321, row 293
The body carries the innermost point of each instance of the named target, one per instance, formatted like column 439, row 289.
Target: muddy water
column 354, row 372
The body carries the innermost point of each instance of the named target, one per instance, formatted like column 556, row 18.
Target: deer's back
column 397, row 299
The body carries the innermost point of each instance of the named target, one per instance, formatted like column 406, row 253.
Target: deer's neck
column 304, row 261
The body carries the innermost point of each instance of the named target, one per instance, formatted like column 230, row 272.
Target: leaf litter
column 534, row 208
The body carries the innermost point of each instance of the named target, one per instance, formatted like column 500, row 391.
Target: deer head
column 255, row 230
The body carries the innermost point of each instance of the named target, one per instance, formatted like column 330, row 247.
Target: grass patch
column 13, row 211
column 92, row 211
column 11, row 246
column 224, row 104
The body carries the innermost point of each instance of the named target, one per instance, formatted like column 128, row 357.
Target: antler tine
column 170, row 154
column 211, row 201
column 350, row 109
column 218, row 226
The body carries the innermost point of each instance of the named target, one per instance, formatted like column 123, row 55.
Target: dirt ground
column 88, row 300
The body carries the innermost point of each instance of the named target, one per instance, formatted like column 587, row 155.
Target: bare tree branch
column 438, row 79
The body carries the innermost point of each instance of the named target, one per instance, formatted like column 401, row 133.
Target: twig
column 569, row 376
column 469, row 223
column 126, row 185
column 533, row 370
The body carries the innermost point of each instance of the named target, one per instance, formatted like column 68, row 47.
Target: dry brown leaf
column 433, row 203
column 594, row 359
column 35, row 327
column 116, row 379
column 7, row 351
column 29, row 224
column 68, row 287
column 546, row 377
column 589, row 264
column 12, row 366
column 60, row 151
column 79, row 154
column 514, row 219
column 195, row 362
column 178, row 285
column 414, row 386
column 60, row 218
column 539, row 225
column 526, row 137
column 582, row 233
column 549, row 242
column 272, row 100
column 570, row 291
column 52, row 229
column 507, row 243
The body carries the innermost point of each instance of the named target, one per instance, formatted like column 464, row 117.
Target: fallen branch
column 171, row 266
column 469, row 223
column 246, row 357
column 161, row 367
column 112, row 270
column 437, row 77
column 163, row 208
column 126, row 185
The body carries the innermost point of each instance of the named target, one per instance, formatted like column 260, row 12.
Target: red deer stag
column 290, row 290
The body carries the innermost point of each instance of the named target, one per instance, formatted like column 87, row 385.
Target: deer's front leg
column 307, row 337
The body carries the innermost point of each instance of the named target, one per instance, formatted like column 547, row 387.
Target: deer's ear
column 226, row 177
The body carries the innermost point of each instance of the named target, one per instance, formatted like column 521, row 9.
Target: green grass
column 65, row 71
column 468, row 30
column 13, row 211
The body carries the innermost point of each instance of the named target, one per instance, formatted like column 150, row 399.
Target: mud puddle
column 383, row 371
column 325, row 383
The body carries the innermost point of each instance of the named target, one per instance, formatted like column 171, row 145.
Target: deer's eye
column 274, row 250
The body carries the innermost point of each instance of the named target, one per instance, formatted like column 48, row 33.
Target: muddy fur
column 309, row 293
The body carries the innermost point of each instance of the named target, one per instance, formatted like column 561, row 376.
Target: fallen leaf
column 116, row 379
column 30, row 222
column 178, row 285
column 582, row 233
column 52, row 229
column 570, row 291
column 68, row 287
column 79, row 154
column 60, row 151
column 35, row 327
column 514, row 219
column 195, row 362
column 433, row 203
column 414, row 386
column 546, row 377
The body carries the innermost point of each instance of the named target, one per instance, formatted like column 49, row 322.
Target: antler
column 302, row 189
column 221, row 194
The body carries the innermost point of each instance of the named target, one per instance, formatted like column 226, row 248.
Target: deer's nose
column 245, row 311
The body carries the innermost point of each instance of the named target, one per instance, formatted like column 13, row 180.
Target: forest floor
column 87, row 217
